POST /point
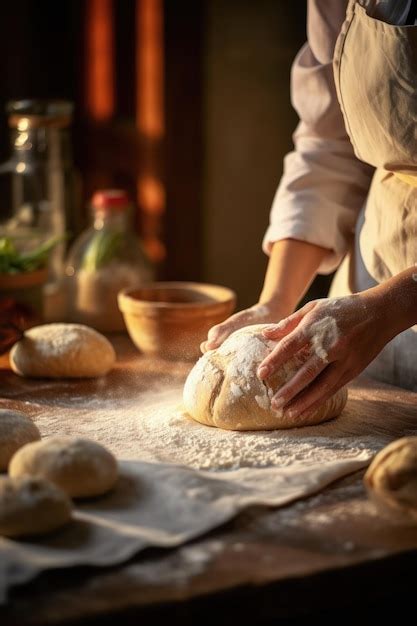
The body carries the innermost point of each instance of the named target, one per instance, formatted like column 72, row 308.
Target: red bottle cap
column 110, row 200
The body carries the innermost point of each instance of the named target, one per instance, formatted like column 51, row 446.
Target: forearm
column 399, row 297
column 292, row 266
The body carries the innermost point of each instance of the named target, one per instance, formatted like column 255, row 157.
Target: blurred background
column 185, row 104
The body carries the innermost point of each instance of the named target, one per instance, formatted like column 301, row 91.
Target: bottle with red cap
column 105, row 258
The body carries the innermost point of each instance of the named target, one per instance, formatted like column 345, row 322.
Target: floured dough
column 80, row 467
column 224, row 390
column 391, row 479
column 62, row 351
column 16, row 429
column 31, row 506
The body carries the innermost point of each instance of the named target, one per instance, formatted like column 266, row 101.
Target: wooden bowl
column 171, row 319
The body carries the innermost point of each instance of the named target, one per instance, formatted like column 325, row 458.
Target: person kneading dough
column 80, row 467
column 223, row 388
column 346, row 203
column 31, row 506
column 15, row 431
column 62, row 351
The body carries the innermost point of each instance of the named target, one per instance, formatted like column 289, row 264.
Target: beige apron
column 375, row 66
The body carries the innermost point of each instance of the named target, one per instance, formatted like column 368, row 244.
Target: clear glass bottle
column 39, row 186
column 106, row 258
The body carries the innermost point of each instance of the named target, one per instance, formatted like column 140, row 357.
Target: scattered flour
column 324, row 334
column 175, row 568
column 236, row 390
column 263, row 402
column 170, row 436
column 255, row 350
column 57, row 344
column 259, row 311
column 157, row 429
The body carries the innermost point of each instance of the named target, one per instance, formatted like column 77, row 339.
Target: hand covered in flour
column 344, row 335
column 256, row 314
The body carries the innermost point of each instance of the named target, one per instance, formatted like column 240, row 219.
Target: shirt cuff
column 307, row 217
column 296, row 231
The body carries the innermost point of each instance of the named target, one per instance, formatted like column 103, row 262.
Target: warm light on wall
column 151, row 194
column 100, row 97
column 149, row 64
column 101, row 102
column 150, row 120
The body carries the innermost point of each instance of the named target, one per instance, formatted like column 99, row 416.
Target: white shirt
column 324, row 185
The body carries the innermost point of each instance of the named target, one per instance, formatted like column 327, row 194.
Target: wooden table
column 326, row 558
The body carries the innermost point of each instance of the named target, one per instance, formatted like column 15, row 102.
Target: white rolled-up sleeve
column 324, row 185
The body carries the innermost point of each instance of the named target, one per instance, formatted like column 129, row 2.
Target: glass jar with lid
column 38, row 183
column 104, row 259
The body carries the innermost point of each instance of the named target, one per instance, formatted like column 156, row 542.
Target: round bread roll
column 62, row 351
column 223, row 388
column 80, row 467
column 31, row 506
column 16, row 429
column 391, row 479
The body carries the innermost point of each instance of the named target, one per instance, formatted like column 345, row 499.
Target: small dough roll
column 16, row 429
column 80, row 467
column 223, row 388
column 62, row 351
column 391, row 479
column 31, row 506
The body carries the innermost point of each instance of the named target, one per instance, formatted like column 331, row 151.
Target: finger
column 285, row 326
column 288, row 324
column 283, row 351
column 323, row 387
column 304, row 377
column 216, row 335
column 205, row 347
column 219, row 333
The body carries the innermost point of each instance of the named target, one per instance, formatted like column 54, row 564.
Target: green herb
column 103, row 248
column 14, row 262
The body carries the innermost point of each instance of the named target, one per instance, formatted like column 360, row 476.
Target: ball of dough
column 16, row 429
column 62, row 351
column 80, row 467
column 223, row 388
column 391, row 479
column 31, row 506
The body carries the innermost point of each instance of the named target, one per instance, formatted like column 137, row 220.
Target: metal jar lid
column 24, row 114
